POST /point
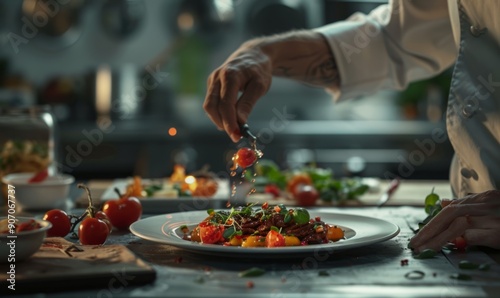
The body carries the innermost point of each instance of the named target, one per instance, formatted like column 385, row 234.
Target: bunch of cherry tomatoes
column 95, row 225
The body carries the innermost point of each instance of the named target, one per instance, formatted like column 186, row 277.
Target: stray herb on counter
column 426, row 254
column 464, row 264
column 252, row 272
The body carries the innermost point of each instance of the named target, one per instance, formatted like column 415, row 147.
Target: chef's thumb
column 445, row 202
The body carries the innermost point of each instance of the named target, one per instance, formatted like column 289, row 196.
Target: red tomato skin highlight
column 93, row 231
column 123, row 212
column 245, row 157
column 211, row 233
column 61, row 223
column 274, row 239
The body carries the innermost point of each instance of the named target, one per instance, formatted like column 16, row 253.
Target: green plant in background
column 417, row 92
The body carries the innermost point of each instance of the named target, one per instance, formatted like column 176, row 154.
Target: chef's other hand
column 475, row 217
column 248, row 70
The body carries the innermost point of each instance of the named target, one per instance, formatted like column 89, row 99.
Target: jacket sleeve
column 395, row 44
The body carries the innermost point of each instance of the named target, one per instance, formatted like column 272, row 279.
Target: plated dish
column 166, row 204
column 359, row 231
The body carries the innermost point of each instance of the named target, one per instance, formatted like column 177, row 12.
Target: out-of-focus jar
column 27, row 140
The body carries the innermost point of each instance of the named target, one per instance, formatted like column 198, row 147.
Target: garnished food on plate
column 201, row 183
column 9, row 226
column 307, row 186
column 267, row 226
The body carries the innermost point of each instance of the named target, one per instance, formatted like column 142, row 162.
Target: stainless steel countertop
column 370, row 271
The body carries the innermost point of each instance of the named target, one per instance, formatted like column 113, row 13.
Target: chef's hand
column 249, row 71
column 304, row 56
column 475, row 217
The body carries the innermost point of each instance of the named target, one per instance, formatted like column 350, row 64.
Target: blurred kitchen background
column 125, row 81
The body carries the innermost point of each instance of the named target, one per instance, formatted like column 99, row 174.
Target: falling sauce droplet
column 253, row 190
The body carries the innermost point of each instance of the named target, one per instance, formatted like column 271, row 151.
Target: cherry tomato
column 275, row 239
column 272, row 189
column 61, row 223
column 245, row 157
column 297, row 179
column 93, row 231
column 39, row 177
column 306, row 195
column 334, row 233
column 123, row 212
column 460, row 243
column 211, row 233
column 102, row 216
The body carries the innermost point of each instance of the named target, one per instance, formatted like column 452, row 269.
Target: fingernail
column 235, row 136
column 445, row 202
column 237, row 133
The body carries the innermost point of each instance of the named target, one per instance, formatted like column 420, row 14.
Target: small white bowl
column 25, row 244
column 51, row 193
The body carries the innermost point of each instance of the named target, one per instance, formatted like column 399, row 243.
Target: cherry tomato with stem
column 92, row 230
column 123, row 212
column 61, row 223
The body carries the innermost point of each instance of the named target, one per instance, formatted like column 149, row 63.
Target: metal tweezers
column 245, row 132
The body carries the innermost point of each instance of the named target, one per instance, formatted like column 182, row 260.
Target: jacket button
column 476, row 31
column 469, row 173
column 468, row 110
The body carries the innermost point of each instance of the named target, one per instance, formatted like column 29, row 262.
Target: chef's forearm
column 301, row 55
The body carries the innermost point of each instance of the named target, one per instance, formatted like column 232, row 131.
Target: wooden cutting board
column 62, row 265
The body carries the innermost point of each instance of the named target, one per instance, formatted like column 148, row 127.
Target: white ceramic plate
column 159, row 205
column 360, row 231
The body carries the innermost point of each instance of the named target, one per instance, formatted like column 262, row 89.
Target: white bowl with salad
column 29, row 194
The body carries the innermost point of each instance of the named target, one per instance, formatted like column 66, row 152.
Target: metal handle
column 245, row 132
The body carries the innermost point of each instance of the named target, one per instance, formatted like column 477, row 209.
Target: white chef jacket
column 409, row 40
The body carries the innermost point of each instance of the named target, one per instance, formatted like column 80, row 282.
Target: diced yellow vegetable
column 254, row 241
column 236, row 241
column 292, row 241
